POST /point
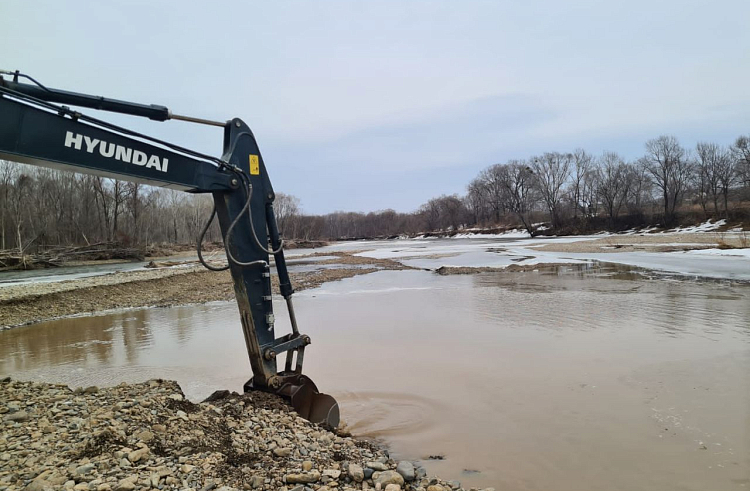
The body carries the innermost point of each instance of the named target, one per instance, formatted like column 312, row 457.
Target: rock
column 421, row 472
column 435, row 487
column 388, row 477
column 377, row 466
column 356, row 472
column 256, row 482
column 307, row 465
column 18, row 416
column 91, row 390
column 125, row 485
column 332, row 473
column 407, row 471
column 368, row 473
column 145, row 436
column 454, row 484
column 85, row 469
column 186, row 468
column 282, row 452
column 137, row 455
column 305, row 478
column 37, row 485
column 393, row 487
column 159, row 428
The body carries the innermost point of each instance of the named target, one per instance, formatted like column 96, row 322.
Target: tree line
column 42, row 207
column 570, row 192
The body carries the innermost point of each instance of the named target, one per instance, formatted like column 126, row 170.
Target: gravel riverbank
column 162, row 287
column 148, row 436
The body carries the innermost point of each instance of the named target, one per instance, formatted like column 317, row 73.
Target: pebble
column 282, row 452
column 387, row 477
column 137, row 455
column 37, row 485
column 377, row 466
column 85, row 469
column 393, row 487
column 332, row 473
column 356, row 472
column 125, row 485
column 307, row 465
column 18, row 416
column 406, row 469
column 305, row 478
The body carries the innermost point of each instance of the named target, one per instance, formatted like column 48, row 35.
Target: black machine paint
column 34, row 130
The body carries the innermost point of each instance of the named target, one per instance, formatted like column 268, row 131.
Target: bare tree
column 7, row 177
column 452, row 211
column 741, row 153
column 119, row 194
column 494, row 189
column 19, row 202
column 519, row 182
column 639, row 191
column 477, row 199
column 669, row 167
column 582, row 164
column 133, row 196
column 430, row 213
column 551, row 172
column 612, row 184
column 286, row 207
column 713, row 165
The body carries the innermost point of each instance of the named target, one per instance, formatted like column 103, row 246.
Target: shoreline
column 148, row 436
column 186, row 283
column 162, row 287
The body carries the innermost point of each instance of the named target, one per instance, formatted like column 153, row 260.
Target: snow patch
column 509, row 234
column 722, row 252
column 703, row 227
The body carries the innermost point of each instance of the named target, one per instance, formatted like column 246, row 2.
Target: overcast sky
column 366, row 105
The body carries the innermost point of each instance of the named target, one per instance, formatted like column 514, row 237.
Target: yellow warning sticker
column 254, row 165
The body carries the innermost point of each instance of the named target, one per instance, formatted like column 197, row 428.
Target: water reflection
column 559, row 379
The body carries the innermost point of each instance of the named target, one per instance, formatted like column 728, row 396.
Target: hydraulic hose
column 230, row 233
column 200, row 244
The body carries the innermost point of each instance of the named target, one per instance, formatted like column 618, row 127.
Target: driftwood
column 58, row 256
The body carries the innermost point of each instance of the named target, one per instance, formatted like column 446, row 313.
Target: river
column 585, row 376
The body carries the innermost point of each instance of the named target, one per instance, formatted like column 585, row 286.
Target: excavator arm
column 35, row 130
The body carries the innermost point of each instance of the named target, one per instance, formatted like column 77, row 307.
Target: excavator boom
column 34, row 130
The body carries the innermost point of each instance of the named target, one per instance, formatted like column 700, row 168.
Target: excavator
column 38, row 127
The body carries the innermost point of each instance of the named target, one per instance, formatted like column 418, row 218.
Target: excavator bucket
column 309, row 403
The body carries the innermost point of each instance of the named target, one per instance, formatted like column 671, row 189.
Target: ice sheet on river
column 733, row 264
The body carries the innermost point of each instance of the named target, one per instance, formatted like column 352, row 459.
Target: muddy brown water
column 565, row 379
